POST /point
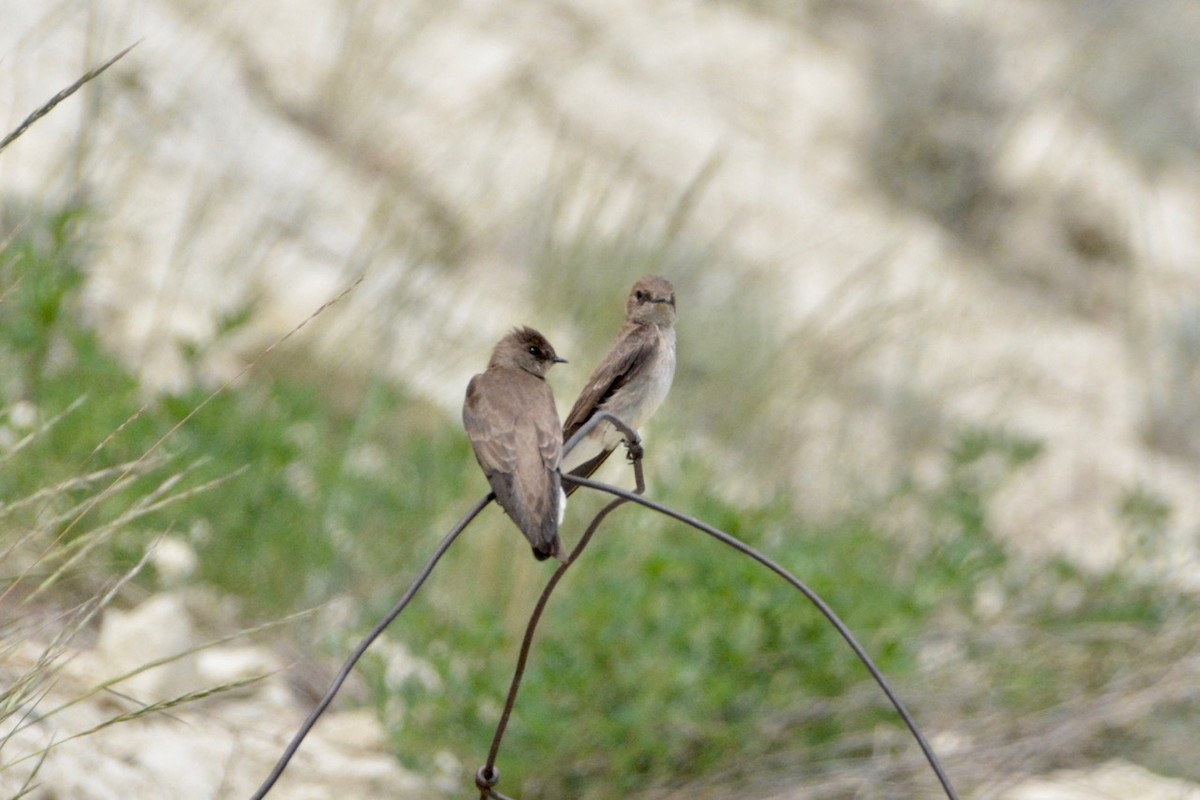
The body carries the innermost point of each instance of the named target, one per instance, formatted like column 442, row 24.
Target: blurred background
column 938, row 276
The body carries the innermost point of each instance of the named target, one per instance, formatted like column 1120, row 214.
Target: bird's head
column 651, row 301
column 527, row 349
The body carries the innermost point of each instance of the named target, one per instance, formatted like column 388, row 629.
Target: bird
column 513, row 424
column 632, row 379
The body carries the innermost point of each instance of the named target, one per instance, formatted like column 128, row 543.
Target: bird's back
column 511, row 420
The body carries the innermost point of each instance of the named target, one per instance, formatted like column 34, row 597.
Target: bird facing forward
column 633, row 378
column 511, row 420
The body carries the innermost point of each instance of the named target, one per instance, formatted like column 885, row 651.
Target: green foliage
column 40, row 276
column 978, row 463
column 312, row 492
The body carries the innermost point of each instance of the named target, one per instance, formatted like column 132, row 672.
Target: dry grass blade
column 45, row 426
column 117, row 431
column 152, row 708
column 56, row 491
column 131, row 470
column 107, row 685
column 157, row 500
column 27, row 691
column 49, row 105
column 45, row 522
column 218, row 391
column 83, row 616
column 28, row 786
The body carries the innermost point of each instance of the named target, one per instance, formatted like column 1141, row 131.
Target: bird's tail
column 553, row 548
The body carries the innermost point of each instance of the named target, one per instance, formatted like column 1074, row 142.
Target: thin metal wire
column 813, row 598
column 485, row 781
column 367, row 641
column 488, row 771
column 488, row 776
column 633, row 442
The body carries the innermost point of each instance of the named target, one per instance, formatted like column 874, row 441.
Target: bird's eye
column 535, row 351
column 642, row 296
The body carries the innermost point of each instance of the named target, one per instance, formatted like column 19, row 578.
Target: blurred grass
column 83, row 500
column 1135, row 74
column 304, row 472
column 938, row 107
column 663, row 659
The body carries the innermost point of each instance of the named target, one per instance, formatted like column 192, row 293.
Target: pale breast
column 638, row 399
column 635, row 402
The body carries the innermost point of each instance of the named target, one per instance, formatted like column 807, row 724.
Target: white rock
column 1115, row 780
column 174, row 559
column 159, row 628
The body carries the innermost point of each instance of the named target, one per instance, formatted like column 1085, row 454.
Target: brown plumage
column 511, row 420
column 633, row 378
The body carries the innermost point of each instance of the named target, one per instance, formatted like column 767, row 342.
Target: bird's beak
column 559, row 360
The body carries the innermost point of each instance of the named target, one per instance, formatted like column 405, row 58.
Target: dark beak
column 559, row 360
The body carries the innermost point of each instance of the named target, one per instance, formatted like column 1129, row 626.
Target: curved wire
column 488, row 770
column 488, row 776
column 367, row 641
column 370, row 638
column 813, row 598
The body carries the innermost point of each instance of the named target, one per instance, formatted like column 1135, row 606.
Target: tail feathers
column 585, row 470
column 554, row 548
column 540, row 529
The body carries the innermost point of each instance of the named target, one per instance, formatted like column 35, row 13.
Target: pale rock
column 159, row 628
column 174, row 559
column 219, row 666
column 1114, row 780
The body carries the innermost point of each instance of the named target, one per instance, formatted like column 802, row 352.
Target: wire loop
column 486, row 778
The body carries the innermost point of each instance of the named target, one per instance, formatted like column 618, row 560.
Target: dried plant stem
column 49, row 105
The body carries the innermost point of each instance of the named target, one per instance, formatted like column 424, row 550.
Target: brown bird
column 512, row 423
column 632, row 380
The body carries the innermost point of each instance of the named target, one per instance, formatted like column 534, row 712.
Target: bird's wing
column 624, row 358
column 513, row 428
column 545, row 490
column 546, row 426
column 627, row 355
column 490, row 424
